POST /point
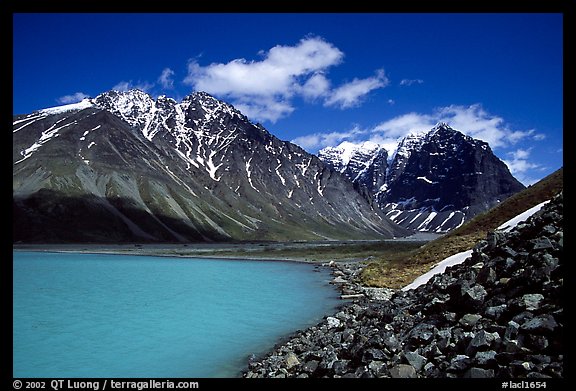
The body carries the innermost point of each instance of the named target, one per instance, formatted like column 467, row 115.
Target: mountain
column 434, row 181
column 364, row 164
column 401, row 269
column 124, row 167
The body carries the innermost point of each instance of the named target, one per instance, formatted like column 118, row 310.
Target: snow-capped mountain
column 433, row 181
column 364, row 164
column 126, row 167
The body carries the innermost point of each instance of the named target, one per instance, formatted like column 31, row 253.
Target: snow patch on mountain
column 458, row 258
column 514, row 221
column 83, row 104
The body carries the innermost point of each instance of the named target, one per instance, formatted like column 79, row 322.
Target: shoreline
column 148, row 253
column 302, row 252
column 313, row 252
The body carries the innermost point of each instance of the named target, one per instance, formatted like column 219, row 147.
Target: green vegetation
column 340, row 251
column 297, row 251
column 398, row 270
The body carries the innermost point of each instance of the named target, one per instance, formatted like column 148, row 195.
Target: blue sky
column 319, row 79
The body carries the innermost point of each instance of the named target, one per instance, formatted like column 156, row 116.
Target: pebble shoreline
column 498, row 314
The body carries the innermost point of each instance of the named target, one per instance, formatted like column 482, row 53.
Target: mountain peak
column 434, row 180
column 442, row 125
column 168, row 171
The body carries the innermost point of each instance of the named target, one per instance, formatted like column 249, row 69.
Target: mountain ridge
column 199, row 162
column 432, row 181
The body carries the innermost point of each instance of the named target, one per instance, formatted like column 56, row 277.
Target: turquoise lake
column 87, row 315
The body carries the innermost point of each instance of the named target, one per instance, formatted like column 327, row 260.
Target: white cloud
column 539, row 137
column 73, row 98
column 520, row 166
column 264, row 108
column 124, row 86
column 409, row 82
column 316, row 86
column 476, row 122
column 277, row 74
column 351, row 93
column 266, row 88
column 471, row 120
column 166, row 80
column 403, row 125
column 330, row 139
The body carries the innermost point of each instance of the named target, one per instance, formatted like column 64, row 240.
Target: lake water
column 86, row 315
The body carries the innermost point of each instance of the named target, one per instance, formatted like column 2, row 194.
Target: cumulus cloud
column 320, row 140
column 350, row 94
column 166, row 80
column 403, row 125
column 72, row 98
column 472, row 120
column 267, row 87
column 520, row 166
column 409, row 82
column 316, row 86
column 476, row 122
column 276, row 74
column 263, row 108
column 124, row 86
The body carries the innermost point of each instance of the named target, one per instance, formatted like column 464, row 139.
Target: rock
column 542, row 243
column 378, row 293
column 459, row 363
column 452, row 326
column 537, row 375
column 469, row 320
column 422, row 333
column 377, row 367
column 493, row 238
column 532, row 301
column 310, row 366
column 486, row 358
column 540, row 324
column 403, row 371
column 511, row 330
column 391, row 342
column 513, row 346
column 479, row 373
column 536, row 342
column 487, row 275
column 481, row 341
column 416, row 360
column 443, row 338
column 340, row 367
column 373, row 354
column 475, row 296
column 450, row 316
column 291, row 360
column 495, row 312
column 332, row 322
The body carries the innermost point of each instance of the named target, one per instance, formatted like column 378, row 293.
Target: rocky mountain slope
column 398, row 270
column 123, row 167
column 434, row 181
column 498, row 314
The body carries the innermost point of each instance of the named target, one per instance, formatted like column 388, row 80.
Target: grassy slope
column 402, row 268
